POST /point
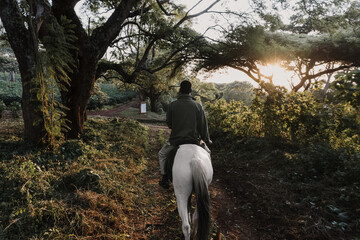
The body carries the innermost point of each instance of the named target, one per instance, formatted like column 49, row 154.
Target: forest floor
column 254, row 196
column 258, row 192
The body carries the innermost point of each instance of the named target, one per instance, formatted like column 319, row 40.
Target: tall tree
column 25, row 32
column 309, row 56
column 322, row 37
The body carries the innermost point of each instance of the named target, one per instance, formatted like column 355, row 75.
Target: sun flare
column 281, row 76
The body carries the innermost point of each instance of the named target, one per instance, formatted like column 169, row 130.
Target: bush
column 319, row 159
column 11, row 88
column 99, row 101
column 2, row 107
column 298, row 118
column 49, row 197
column 15, row 107
column 233, row 119
column 8, row 99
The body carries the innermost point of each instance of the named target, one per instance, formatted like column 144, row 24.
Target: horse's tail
column 202, row 199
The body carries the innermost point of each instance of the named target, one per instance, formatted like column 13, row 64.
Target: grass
column 134, row 112
column 94, row 188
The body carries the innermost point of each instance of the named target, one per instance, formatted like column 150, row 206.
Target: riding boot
column 164, row 182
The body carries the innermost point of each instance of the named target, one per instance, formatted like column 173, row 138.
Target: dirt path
column 226, row 213
column 162, row 220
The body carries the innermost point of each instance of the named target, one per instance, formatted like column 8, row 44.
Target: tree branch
column 163, row 9
column 104, row 35
column 142, row 10
column 187, row 16
column 312, row 76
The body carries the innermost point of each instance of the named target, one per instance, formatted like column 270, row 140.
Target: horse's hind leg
column 182, row 204
column 184, row 215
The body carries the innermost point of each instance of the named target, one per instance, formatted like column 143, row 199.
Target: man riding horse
column 187, row 121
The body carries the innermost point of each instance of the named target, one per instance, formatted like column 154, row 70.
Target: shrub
column 297, row 118
column 8, row 99
column 320, row 158
column 99, row 101
column 233, row 119
column 15, row 107
column 2, row 107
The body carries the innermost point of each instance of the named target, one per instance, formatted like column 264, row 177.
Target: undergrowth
column 88, row 187
column 287, row 192
column 295, row 161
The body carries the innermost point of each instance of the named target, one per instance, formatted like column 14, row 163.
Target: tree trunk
column 24, row 45
column 77, row 97
column 153, row 104
column 33, row 128
column 90, row 50
column 12, row 76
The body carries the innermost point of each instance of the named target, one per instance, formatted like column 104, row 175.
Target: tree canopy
column 319, row 39
column 127, row 25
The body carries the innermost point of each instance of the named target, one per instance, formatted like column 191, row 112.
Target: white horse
column 193, row 169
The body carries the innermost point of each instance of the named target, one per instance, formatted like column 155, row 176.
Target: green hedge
column 8, row 99
column 99, row 102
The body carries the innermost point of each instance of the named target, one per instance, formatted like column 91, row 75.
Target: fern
column 53, row 65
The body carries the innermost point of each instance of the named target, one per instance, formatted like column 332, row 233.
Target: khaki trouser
column 163, row 153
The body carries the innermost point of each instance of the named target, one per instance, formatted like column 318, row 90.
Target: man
column 186, row 119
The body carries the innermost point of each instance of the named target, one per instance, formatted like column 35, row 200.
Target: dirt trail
column 162, row 221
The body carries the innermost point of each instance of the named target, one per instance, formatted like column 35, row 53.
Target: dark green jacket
column 186, row 119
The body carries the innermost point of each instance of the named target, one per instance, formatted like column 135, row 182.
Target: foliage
column 53, row 67
column 298, row 118
column 297, row 142
column 333, row 44
column 107, row 94
column 316, row 186
column 239, row 91
column 10, row 91
column 10, row 88
column 316, row 16
column 153, row 54
column 15, row 107
column 82, row 188
column 205, row 90
column 2, row 107
column 133, row 28
column 8, row 62
column 347, row 86
column 233, row 119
